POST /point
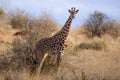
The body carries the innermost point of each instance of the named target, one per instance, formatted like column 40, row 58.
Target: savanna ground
column 86, row 57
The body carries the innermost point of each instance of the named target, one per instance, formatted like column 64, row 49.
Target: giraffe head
column 73, row 11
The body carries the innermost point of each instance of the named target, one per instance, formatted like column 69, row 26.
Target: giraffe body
column 56, row 43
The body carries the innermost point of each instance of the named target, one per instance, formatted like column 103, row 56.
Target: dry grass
column 95, row 45
column 22, row 58
column 85, row 65
column 97, row 65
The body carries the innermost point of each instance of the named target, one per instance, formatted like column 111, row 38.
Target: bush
column 113, row 29
column 23, row 55
column 72, row 49
column 46, row 26
column 2, row 13
column 43, row 26
column 99, row 24
column 93, row 45
column 21, row 20
column 3, row 16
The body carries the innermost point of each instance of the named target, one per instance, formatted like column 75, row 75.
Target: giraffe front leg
column 58, row 58
column 39, row 69
column 40, row 58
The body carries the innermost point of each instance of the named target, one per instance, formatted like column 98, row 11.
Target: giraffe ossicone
column 56, row 43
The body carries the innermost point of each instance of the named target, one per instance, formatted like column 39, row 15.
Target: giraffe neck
column 63, row 33
column 67, row 25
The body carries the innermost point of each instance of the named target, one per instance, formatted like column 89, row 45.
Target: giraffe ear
column 77, row 10
column 69, row 10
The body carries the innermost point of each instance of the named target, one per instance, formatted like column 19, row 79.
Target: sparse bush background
column 2, row 13
column 43, row 26
column 99, row 24
column 46, row 26
column 95, row 45
column 3, row 17
column 99, row 50
column 21, row 20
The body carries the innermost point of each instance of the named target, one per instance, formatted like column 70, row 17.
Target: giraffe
column 55, row 44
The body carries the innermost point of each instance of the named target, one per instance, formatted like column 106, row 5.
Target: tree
column 98, row 24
